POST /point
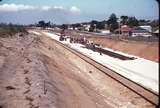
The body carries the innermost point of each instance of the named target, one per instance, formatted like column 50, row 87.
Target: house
column 87, row 27
column 70, row 28
column 103, row 31
column 124, row 30
column 138, row 31
column 156, row 33
column 147, row 27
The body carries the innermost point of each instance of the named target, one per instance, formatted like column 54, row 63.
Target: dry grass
column 9, row 31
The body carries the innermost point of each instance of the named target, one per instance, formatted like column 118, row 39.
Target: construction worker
column 100, row 47
column 62, row 35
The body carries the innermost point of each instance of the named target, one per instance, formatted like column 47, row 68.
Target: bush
column 11, row 30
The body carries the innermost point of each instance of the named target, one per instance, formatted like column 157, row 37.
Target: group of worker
column 84, row 41
column 62, row 36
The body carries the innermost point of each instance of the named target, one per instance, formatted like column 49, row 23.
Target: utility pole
column 119, row 23
column 95, row 28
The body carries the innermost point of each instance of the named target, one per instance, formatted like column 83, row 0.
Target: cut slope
column 147, row 50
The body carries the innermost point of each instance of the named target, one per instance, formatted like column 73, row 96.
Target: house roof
column 139, row 30
column 123, row 29
column 157, row 31
column 146, row 26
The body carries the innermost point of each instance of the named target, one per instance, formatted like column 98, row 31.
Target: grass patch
column 11, row 30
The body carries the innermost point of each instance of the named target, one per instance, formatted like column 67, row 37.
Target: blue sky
column 70, row 11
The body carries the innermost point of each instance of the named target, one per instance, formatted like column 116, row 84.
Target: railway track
column 143, row 92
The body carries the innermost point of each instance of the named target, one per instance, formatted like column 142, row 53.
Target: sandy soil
column 31, row 77
column 147, row 50
column 35, row 73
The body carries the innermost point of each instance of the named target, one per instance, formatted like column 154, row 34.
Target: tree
column 101, row 25
column 155, row 24
column 124, row 19
column 144, row 22
column 94, row 22
column 132, row 21
column 76, row 25
column 41, row 23
column 112, row 22
column 44, row 24
column 64, row 26
column 93, row 25
column 48, row 24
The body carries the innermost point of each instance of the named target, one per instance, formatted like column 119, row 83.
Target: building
column 124, row 30
column 147, row 27
column 103, row 31
column 138, row 31
column 86, row 27
column 156, row 33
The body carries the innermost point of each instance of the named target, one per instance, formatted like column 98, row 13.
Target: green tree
column 44, row 24
column 144, row 22
column 41, row 23
column 155, row 25
column 94, row 22
column 64, row 26
column 112, row 22
column 93, row 25
column 132, row 21
column 100, row 25
column 48, row 24
column 124, row 19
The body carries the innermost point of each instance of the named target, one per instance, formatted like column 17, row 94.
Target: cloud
column 58, row 7
column 74, row 9
column 14, row 7
column 45, row 8
column 21, row 7
column 27, row 14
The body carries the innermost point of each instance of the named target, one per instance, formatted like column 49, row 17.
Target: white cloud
column 58, row 7
column 14, row 7
column 74, row 9
column 21, row 7
column 46, row 8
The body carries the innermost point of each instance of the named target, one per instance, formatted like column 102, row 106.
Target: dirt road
column 34, row 73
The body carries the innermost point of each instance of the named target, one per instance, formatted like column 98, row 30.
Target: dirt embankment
column 147, row 50
column 35, row 72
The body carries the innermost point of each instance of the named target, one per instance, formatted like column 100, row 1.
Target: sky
column 72, row 11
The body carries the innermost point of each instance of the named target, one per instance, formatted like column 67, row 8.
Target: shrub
column 11, row 30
